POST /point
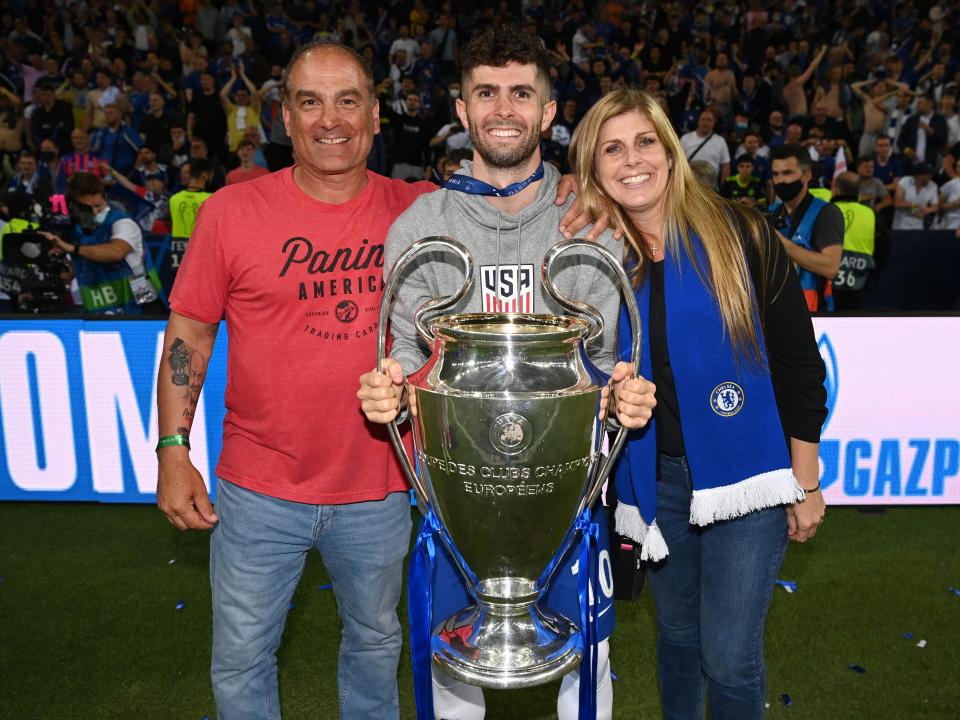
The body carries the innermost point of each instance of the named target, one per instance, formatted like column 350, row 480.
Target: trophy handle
column 596, row 321
column 434, row 305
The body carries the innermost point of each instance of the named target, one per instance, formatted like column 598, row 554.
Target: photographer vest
column 817, row 291
column 109, row 288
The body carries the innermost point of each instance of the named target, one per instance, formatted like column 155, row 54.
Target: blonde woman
column 727, row 470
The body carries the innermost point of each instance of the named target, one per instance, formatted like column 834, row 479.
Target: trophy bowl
column 506, row 434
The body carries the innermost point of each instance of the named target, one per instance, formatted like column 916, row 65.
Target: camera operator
column 110, row 262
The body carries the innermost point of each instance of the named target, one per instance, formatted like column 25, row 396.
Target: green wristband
column 168, row 440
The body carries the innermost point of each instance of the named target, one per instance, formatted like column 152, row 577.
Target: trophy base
column 525, row 646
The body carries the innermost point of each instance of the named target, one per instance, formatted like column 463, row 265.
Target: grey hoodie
column 496, row 240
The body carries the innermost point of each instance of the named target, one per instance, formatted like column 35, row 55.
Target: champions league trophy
column 507, row 435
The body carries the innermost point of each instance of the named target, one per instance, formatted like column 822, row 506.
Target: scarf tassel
column 629, row 523
column 777, row 487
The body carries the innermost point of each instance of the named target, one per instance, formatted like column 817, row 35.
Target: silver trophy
column 507, row 435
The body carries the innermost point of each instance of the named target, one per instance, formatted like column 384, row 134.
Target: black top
column 796, row 367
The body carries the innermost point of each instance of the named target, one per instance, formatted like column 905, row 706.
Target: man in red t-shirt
column 293, row 261
column 247, row 170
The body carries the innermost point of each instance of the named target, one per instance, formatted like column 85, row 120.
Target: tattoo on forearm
column 183, row 431
column 188, row 373
column 179, row 360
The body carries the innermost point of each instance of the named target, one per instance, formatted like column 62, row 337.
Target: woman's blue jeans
column 257, row 554
column 712, row 593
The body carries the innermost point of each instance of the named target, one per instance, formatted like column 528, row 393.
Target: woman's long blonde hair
column 688, row 206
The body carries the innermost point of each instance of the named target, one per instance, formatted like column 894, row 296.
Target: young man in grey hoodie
column 502, row 207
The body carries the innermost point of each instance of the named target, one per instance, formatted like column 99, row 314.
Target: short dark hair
column 499, row 45
column 199, row 167
column 848, row 184
column 245, row 143
column 318, row 44
column 791, row 150
column 84, row 183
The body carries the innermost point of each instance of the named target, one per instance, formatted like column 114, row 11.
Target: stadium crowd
column 135, row 92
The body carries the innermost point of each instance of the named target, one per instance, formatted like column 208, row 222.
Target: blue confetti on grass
column 907, row 636
column 613, row 675
column 859, row 670
column 955, row 591
column 325, row 587
column 292, row 605
column 786, row 700
column 180, row 605
column 789, row 585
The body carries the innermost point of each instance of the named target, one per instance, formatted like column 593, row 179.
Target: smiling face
column 329, row 112
column 632, row 164
column 505, row 109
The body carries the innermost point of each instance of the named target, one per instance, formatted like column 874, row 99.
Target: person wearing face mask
column 810, row 229
column 110, row 262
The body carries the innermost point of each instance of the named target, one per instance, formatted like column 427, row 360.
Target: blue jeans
column 712, row 593
column 257, row 554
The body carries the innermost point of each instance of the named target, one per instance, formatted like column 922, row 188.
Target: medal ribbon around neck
column 472, row 186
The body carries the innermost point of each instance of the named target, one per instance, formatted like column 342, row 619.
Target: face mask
column 47, row 155
column 741, row 126
column 101, row 216
column 788, row 191
column 454, row 93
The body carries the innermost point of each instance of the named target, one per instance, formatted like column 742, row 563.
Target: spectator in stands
column 12, row 130
column 745, row 187
column 411, row 139
column 79, row 160
column 116, row 143
column 105, row 93
column 444, row 40
column 875, row 105
column 252, row 135
column 147, row 165
column 720, row 87
column 948, row 108
column 924, row 133
column 705, row 144
column 244, row 110
column 810, row 229
column 200, row 151
column 74, row 91
column 705, row 173
column 872, row 191
column 28, row 180
column 152, row 213
column 949, row 209
column 48, row 160
column 176, row 151
column 156, row 123
column 888, row 166
column 51, row 118
column 206, row 117
column 916, row 199
column 248, row 169
column 775, row 128
column 409, row 46
column 898, row 115
column 794, row 91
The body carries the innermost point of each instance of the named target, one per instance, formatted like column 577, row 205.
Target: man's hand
column 575, row 220
column 181, row 494
column 633, row 397
column 59, row 245
column 805, row 517
column 381, row 393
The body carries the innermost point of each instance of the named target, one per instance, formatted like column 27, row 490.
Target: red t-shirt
column 239, row 175
column 300, row 284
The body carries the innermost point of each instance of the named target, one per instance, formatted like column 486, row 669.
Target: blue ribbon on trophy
column 588, row 577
